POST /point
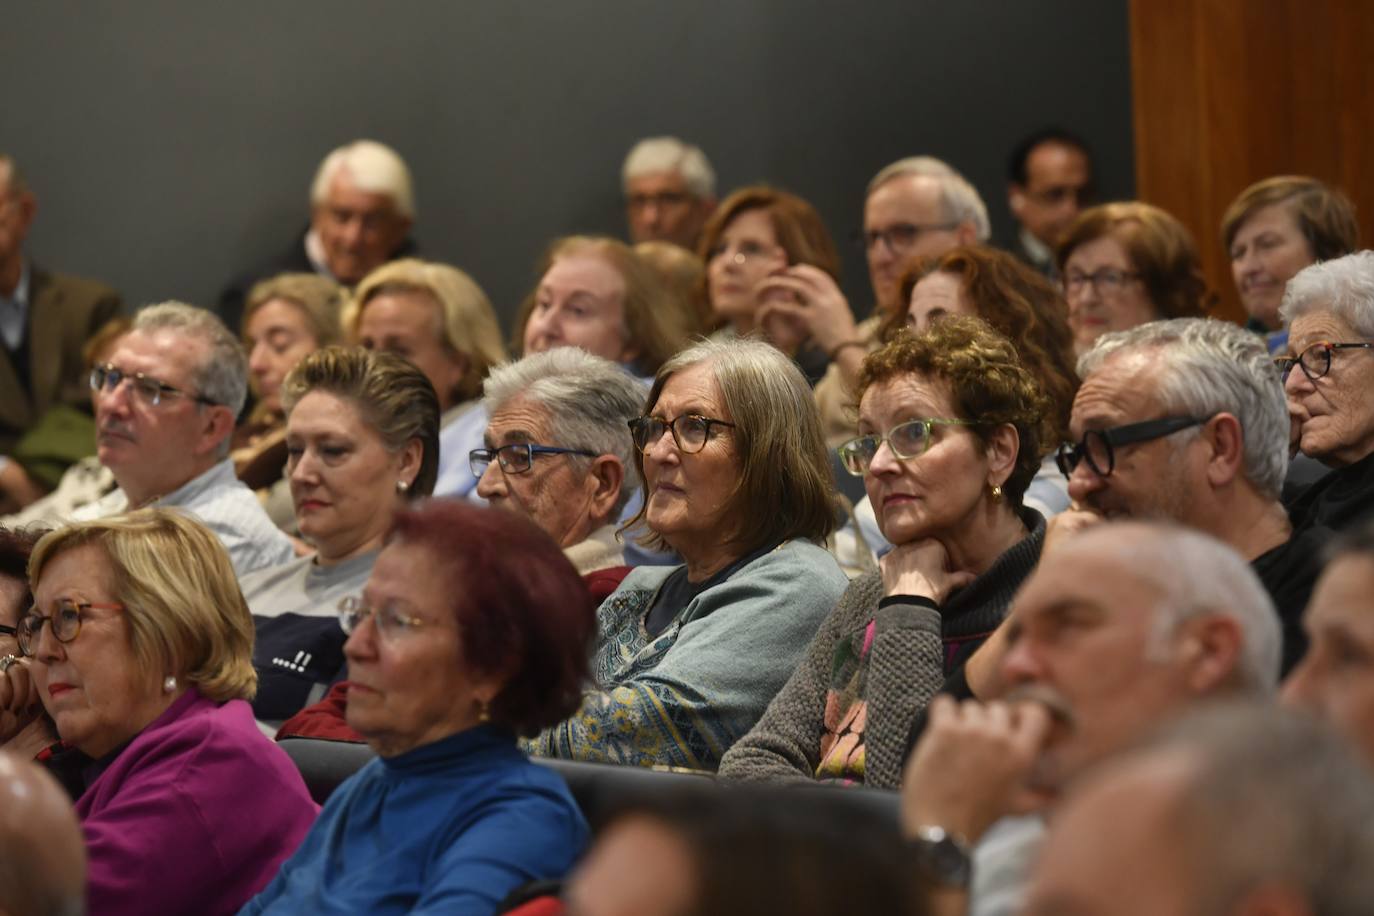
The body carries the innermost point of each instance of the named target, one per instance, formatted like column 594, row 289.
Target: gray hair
column 1344, row 285
column 1205, row 367
column 14, row 179
column 960, row 201
column 590, row 401
column 374, row 168
column 1296, row 793
column 669, row 154
column 223, row 376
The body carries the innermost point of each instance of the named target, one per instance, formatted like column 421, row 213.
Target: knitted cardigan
column 873, row 666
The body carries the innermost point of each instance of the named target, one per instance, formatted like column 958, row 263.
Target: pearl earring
column 169, row 684
column 402, row 486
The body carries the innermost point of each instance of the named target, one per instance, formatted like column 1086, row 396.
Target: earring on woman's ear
column 483, row 713
column 996, row 494
column 169, row 684
column 402, row 486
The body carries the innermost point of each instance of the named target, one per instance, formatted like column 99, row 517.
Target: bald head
column 42, row 856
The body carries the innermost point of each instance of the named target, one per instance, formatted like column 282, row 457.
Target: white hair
column 374, row 168
column 590, row 402
column 1205, row 367
column 1345, row 285
column 669, row 154
column 959, row 200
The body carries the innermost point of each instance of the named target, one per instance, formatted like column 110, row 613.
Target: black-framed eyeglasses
column 905, row 440
column 8, row 631
column 1315, row 359
column 516, row 458
column 690, row 431
column 1107, row 282
column 1098, row 445
column 899, row 237
column 390, row 622
column 147, row 389
column 65, row 621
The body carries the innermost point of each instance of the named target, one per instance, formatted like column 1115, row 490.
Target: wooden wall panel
column 1228, row 92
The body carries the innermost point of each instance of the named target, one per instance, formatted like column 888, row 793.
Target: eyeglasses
column 65, row 620
column 390, row 622
column 690, row 431
column 148, row 390
column 1098, row 445
column 1106, row 282
column 516, row 458
column 8, row 631
column 1316, row 359
column 905, row 440
column 899, row 237
column 662, row 200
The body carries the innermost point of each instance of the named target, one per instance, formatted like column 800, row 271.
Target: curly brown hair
column 1020, row 304
column 987, row 380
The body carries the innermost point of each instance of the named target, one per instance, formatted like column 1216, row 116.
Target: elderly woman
column 140, row 645
column 952, row 427
column 439, row 319
column 362, row 436
column 597, row 294
column 683, row 278
column 25, row 729
column 1274, row 229
column 1328, row 374
column 1125, row 264
column 738, row 483
column 472, row 630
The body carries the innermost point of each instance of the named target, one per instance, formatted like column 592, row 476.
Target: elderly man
column 1049, row 182
column 1117, row 630
column 45, row 320
column 362, row 207
column 670, row 191
column 42, row 855
column 1185, row 420
column 165, row 408
column 1235, row 810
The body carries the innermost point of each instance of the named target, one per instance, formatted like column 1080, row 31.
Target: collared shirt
column 1040, row 254
column 14, row 311
column 223, row 504
column 314, row 251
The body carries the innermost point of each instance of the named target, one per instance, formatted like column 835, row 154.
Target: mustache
column 1059, row 709
column 117, row 428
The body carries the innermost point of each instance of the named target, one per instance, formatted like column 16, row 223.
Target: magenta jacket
column 195, row 815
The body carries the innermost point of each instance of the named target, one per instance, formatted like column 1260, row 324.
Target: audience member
column 42, row 860
column 1124, row 264
column 45, row 319
column 670, row 191
column 767, row 252
column 1329, row 311
column 952, row 427
column 738, row 483
column 438, row 318
column 165, row 434
column 362, row 436
column 1114, row 633
column 141, row 649
column 25, row 728
column 748, row 851
column 1233, row 810
column 1184, row 421
column 362, row 207
column 1335, row 680
column 1274, row 229
column 473, row 629
column 915, row 207
column 595, row 293
column 1049, row 182
column 682, row 276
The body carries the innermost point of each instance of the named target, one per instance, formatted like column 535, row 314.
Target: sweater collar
column 469, row 746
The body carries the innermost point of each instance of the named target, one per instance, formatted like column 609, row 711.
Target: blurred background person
column 595, row 293
column 42, row 859
column 1274, row 229
column 362, row 208
column 952, row 428
column 1049, row 182
column 141, row 647
column 473, row 629
column 362, row 438
column 438, row 318
column 25, row 728
column 683, row 277
column 670, row 191
column 1124, row 264
column 738, row 483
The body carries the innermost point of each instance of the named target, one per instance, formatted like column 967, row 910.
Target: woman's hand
column 19, row 700
column 814, row 304
column 921, row 568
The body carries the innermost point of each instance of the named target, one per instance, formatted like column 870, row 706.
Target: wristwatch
column 944, row 855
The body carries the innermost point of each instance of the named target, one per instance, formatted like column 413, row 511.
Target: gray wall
column 172, row 143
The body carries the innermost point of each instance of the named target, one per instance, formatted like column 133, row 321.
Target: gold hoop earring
column 996, row 494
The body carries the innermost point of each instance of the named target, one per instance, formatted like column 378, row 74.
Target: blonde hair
column 318, row 298
column 186, row 614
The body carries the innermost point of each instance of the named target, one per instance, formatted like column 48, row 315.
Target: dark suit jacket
column 63, row 313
